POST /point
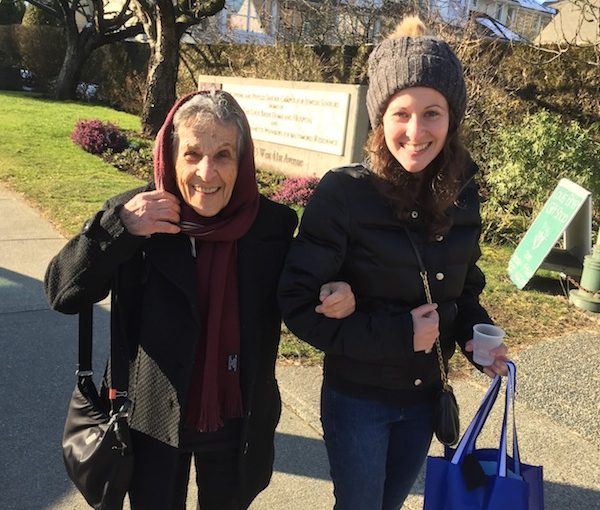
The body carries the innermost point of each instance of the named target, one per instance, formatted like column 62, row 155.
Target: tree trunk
column 162, row 70
column 79, row 48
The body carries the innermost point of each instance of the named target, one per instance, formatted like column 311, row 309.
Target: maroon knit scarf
column 214, row 393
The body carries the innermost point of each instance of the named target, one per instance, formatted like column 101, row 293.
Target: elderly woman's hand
column 151, row 212
column 337, row 300
column 498, row 366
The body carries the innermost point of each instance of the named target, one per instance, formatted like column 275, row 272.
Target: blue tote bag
column 468, row 478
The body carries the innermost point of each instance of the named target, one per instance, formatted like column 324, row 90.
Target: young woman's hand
column 426, row 327
column 337, row 300
column 498, row 366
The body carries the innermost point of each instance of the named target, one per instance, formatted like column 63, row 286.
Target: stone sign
column 300, row 128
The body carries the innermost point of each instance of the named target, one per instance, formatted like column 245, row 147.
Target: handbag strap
column 119, row 352
column 86, row 323
column 119, row 357
column 425, row 277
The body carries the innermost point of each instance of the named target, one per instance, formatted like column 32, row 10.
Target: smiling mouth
column 416, row 147
column 206, row 190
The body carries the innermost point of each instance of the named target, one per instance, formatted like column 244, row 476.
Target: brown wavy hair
column 433, row 190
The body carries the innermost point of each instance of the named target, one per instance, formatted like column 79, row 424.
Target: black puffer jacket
column 349, row 233
column 158, row 299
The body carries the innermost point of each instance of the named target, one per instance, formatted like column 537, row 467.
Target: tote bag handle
column 467, row 443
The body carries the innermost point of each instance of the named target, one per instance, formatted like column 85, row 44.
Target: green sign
column 552, row 221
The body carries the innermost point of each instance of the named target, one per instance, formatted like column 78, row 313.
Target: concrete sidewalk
column 557, row 409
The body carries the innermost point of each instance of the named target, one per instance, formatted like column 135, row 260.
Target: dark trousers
column 161, row 476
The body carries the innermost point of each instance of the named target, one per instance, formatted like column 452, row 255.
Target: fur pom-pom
column 411, row 26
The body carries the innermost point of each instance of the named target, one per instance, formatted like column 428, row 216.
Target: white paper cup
column 485, row 338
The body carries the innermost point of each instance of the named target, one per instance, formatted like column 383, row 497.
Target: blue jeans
column 375, row 450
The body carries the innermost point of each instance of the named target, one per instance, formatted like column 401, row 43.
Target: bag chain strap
column 438, row 347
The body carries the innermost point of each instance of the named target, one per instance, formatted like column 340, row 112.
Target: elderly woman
column 198, row 261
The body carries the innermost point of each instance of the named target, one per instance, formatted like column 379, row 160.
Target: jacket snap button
column 414, row 215
column 439, row 238
column 439, row 276
column 418, row 382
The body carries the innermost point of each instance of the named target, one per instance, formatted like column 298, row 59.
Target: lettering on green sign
column 543, row 234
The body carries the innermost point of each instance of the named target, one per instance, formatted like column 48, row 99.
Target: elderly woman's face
column 415, row 125
column 206, row 165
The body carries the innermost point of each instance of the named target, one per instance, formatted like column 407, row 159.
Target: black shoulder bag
column 446, row 425
column 96, row 442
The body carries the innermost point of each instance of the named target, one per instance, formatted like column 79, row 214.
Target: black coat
column 158, row 303
column 349, row 232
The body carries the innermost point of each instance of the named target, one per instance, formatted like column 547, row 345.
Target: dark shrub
column 36, row 16
column 42, row 50
column 11, row 13
column 119, row 69
column 96, row 137
column 10, row 78
column 134, row 160
column 296, row 190
column 268, row 182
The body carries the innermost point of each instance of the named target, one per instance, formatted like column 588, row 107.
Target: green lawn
column 39, row 160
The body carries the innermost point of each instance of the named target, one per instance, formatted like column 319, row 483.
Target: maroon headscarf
column 214, row 392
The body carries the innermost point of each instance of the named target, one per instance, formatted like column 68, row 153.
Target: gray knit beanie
column 424, row 61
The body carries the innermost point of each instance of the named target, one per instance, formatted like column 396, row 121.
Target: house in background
column 359, row 21
column 240, row 22
column 302, row 21
column 512, row 19
column 576, row 23
column 487, row 27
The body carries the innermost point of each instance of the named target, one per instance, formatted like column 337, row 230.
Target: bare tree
column 165, row 21
column 339, row 22
column 87, row 26
column 577, row 24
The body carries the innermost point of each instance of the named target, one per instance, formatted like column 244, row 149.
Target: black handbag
column 446, row 415
column 96, row 442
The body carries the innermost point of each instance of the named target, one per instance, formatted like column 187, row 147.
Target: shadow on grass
column 547, row 285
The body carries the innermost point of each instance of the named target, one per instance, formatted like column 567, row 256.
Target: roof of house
column 498, row 29
column 536, row 6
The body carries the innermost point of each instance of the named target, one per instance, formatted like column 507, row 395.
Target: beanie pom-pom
column 411, row 26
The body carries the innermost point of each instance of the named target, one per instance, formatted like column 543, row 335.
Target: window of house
column 510, row 16
column 233, row 5
column 499, row 12
column 538, row 25
column 306, row 28
column 376, row 28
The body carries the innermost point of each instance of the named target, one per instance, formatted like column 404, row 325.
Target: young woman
column 371, row 224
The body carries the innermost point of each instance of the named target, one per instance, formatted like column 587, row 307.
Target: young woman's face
column 415, row 126
column 206, row 165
